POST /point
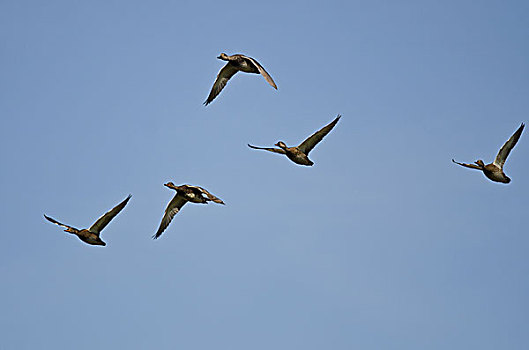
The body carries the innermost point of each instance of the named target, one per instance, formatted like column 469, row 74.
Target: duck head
column 223, row 57
column 480, row 163
column 281, row 144
column 170, row 185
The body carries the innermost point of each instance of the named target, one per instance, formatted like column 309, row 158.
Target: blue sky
column 383, row 244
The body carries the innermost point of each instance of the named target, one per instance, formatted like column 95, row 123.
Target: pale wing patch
column 50, row 219
column 471, row 166
column 209, row 195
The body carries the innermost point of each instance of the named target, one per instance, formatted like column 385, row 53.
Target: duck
column 236, row 63
column 494, row 170
column 299, row 154
column 184, row 194
column 92, row 234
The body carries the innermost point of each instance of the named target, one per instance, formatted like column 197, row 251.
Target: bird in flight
column 184, row 194
column 299, row 154
column 494, row 170
column 91, row 235
column 236, row 63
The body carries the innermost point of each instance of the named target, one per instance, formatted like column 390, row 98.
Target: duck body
column 495, row 173
column 242, row 63
column 90, row 237
column 298, row 157
column 190, row 193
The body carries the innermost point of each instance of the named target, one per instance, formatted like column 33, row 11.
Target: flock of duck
column 297, row 154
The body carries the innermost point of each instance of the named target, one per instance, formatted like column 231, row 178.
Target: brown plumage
column 236, row 63
column 184, row 194
column 91, row 235
column 299, row 154
column 494, row 170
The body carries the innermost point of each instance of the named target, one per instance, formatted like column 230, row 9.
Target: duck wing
column 507, row 147
column 224, row 75
column 472, row 166
column 307, row 145
column 172, row 209
column 59, row 223
column 209, row 195
column 271, row 149
column 261, row 70
column 103, row 221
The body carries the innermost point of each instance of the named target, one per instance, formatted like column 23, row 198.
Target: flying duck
column 236, row 63
column 299, row 154
column 91, row 235
column 494, row 170
column 184, row 194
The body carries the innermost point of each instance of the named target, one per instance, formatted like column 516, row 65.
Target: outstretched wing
column 271, row 149
column 103, row 221
column 263, row 72
column 172, row 209
column 307, row 145
column 209, row 195
column 224, row 75
column 507, row 147
column 59, row 223
column 472, row 166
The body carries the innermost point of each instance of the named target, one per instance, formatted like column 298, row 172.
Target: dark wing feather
column 103, row 221
column 59, row 223
column 263, row 72
column 507, row 147
column 172, row 209
column 276, row 150
column 471, row 166
column 224, row 75
column 209, row 195
column 307, row 145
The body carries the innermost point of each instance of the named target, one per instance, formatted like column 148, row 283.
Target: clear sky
column 383, row 244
